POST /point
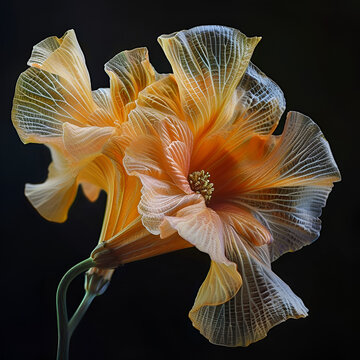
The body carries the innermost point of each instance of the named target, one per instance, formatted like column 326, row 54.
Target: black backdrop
column 308, row 48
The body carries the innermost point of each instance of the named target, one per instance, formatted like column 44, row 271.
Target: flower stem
column 61, row 310
column 80, row 312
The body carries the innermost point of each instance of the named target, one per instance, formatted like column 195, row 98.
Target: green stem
column 61, row 310
column 80, row 312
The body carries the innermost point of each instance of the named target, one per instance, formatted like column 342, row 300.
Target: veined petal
column 55, row 90
column 288, row 191
column 79, row 147
column 129, row 72
column 159, row 199
column 160, row 99
column 208, row 63
column 53, row 198
column 262, row 302
column 63, row 57
column 260, row 104
column 221, row 284
column 246, row 224
column 123, row 193
column 177, row 142
column 300, row 156
column 164, row 155
column 134, row 243
column 145, row 157
column 202, row 227
column 85, row 142
column 290, row 213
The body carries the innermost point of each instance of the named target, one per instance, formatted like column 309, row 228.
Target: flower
column 54, row 105
column 201, row 143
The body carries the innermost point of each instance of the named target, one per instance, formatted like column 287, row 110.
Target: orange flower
column 201, row 143
column 54, row 105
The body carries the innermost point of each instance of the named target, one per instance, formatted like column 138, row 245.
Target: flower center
column 199, row 183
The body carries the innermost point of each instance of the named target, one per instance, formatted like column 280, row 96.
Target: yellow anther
column 200, row 184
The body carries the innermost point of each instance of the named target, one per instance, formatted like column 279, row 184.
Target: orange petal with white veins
column 208, row 63
column 202, row 227
column 262, row 301
column 55, row 90
column 53, row 198
column 259, row 105
column 289, row 188
column 221, row 284
column 85, row 142
column 129, row 72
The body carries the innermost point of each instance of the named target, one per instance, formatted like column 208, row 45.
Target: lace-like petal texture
column 268, row 190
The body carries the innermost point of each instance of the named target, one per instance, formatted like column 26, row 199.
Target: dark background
column 308, row 48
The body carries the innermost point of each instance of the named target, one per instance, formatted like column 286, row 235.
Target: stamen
column 200, row 183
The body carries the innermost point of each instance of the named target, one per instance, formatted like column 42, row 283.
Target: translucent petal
column 260, row 104
column 159, row 199
column 129, row 72
column 301, row 156
column 288, row 190
column 91, row 191
column 64, row 58
column 123, row 193
column 102, row 98
column 70, row 157
column 145, row 156
column 245, row 224
column 134, row 243
column 85, row 142
column 202, row 227
column 290, row 213
column 221, row 284
column 55, row 90
column 208, row 63
column 177, row 142
column 53, row 198
column 262, row 302
column 159, row 100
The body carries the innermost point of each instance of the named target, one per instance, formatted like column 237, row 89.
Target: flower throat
column 199, row 183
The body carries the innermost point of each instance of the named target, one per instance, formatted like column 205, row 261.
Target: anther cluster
column 199, row 182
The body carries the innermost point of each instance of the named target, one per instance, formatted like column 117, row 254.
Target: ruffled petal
column 260, row 104
column 300, row 156
column 244, row 222
column 79, row 147
column 84, row 143
column 289, row 189
column 290, row 213
column 221, row 284
column 53, row 198
column 177, row 142
column 145, row 157
column 160, row 99
column 159, row 199
column 262, row 302
column 202, row 227
column 208, row 63
column 129, row 72
column 63, row 57
column 55, row 90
